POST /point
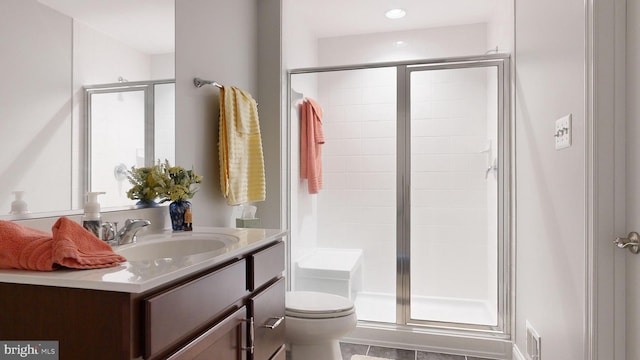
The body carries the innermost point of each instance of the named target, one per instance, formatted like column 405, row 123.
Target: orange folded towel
column 71, row 246
column 24, row 248
column 76, row 247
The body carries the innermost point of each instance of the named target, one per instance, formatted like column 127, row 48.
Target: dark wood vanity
column 234, row 310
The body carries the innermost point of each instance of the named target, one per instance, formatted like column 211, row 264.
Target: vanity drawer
column 266, row 265
column 268, row 310
column 224, row 340
column 176, row 314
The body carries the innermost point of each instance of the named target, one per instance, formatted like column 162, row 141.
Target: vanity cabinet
column 232, row 311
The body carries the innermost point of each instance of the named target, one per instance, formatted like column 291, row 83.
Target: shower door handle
column 631, row 242
column 494, row 168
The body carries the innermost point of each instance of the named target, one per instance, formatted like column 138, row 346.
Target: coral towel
column 242, row 177
column 24, row 248
column 76, row 247
column 71, row 246
column 311, row 139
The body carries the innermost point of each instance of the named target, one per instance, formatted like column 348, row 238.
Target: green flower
column 177, row 183
column 169, row 183
column 146, row 181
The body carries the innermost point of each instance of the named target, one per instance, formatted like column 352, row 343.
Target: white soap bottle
column 19, row 206
column 91, row 220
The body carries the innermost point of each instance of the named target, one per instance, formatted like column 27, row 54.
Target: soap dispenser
column 19, row 206
column 91, row 219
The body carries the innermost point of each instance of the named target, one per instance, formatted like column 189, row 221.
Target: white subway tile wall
column 357, row 207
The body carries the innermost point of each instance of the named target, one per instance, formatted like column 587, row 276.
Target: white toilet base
column 329, row 350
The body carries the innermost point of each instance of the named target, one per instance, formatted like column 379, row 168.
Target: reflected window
column 130, row 124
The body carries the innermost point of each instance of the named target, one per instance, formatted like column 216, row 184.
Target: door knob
column 631, row 242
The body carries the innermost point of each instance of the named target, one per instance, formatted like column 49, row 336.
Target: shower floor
column 382, row 308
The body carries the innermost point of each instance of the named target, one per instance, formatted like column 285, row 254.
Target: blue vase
column 176, row 211
column 146, row 204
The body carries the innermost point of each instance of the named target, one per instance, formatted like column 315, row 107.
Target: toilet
column 315, row 324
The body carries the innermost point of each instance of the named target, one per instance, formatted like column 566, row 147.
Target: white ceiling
column 329, row 18
column 148, row 25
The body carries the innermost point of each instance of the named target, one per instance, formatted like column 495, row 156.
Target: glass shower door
column 452, row 239
column 416, row 175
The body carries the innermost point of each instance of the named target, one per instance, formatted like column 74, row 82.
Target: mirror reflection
column 54, row 51
column 130, row 124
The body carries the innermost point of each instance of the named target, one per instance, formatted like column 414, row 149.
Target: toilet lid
column 315, row 305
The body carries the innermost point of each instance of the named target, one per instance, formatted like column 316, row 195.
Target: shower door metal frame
column 505, row 183
column 403, row 281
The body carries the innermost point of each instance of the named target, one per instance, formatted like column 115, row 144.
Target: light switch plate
column 563, row 132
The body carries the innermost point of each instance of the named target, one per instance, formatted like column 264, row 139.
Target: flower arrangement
column 169, row 183
column 177, row 183
column 147, row 183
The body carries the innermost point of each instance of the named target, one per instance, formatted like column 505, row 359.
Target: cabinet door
column 224, row 341
column 268, row 309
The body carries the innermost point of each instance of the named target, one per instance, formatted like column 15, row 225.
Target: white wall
column 357, row 207
column 163, row 66
column 303, row 207
column 218, row 40
column 37, row 116
column 432, row 43
column 271, row 80
column 550, row 233
column 299, row 50
column 500, row 27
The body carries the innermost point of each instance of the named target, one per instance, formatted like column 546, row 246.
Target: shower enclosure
column 413, row 218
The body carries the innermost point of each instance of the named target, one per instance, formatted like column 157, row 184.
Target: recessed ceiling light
column 395, row 14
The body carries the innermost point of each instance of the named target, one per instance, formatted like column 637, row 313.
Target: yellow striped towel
column 242, row 177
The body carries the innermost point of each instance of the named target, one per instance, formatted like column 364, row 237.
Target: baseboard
column 517, row 355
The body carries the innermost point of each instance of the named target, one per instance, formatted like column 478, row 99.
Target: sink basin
column 175, row 246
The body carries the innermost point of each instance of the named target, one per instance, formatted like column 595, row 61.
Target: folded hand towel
column 24, row 248
column 75, row 247
column 71, row 246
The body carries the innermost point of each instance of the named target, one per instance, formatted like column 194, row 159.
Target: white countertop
column 140, row 276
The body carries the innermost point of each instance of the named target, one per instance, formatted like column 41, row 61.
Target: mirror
column 54, row 49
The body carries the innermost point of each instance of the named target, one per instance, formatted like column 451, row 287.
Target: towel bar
column 200, row 83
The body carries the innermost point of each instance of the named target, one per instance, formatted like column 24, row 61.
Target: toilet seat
column 315, row 305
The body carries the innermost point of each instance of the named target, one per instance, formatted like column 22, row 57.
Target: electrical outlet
column 534, row 345
column 563, row 132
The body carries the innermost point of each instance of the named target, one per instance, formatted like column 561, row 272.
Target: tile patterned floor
column 349, row 350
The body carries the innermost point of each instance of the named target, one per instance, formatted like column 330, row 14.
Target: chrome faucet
column 126, row 235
